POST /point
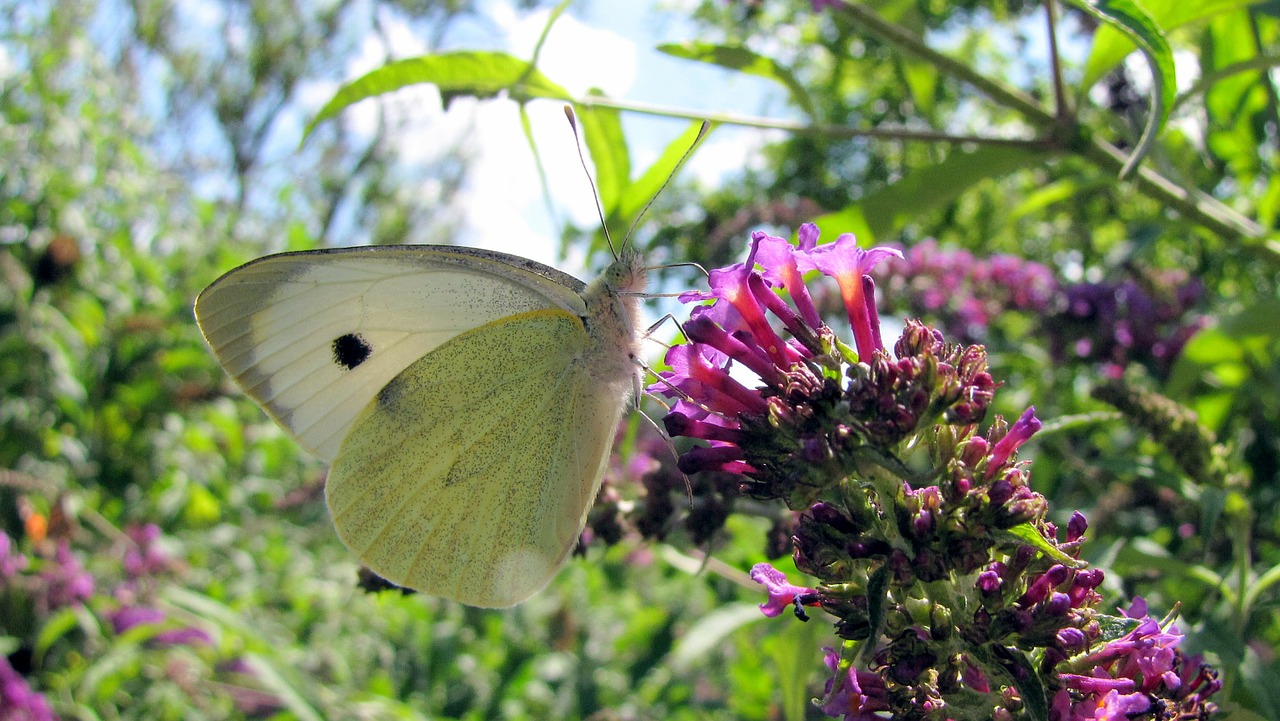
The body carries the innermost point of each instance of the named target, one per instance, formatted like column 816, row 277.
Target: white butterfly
column 466, row 399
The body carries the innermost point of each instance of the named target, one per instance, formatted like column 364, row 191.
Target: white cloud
column 729, row 152
column 504, row 200
column 576, row 56
column 504, row 206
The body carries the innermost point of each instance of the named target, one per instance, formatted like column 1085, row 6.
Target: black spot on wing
column 351, row 350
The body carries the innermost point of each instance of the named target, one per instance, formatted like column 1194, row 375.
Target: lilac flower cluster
column 965, row 293
column 60, row 581
column 1145, row 320
column 951, row 592
column 1119, row 323
column 17, row 701
column 1140, row 673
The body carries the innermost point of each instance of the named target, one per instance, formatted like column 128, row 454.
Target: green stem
column 1002, row 94
column 1061, row 110
column 1262, row 62
column 801, row 128
column 1193, row 205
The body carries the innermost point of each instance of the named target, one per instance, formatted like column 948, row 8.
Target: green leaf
column 1028, row 533
column 274, row 681
column 735, row 57
column 58, row 625
column 922, row 80
column 1259, row 319
column 925, row 189
column 1111, row 45
column 877, row 598
column 607, row 145
column 708, row 633
column 645, row 187
column 793, row 656
column 1136, row 24
column 1114, row 627
column 475, row 73
column 1029, row 685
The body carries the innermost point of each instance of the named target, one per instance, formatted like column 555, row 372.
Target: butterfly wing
column 313, row 336
column 469, row 476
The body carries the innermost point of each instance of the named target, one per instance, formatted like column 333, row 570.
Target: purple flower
column 903, row 497
column 713, row 405
column 11, row 560
column 1129, row 674
column 849, row 265
column 17, row 701
column 128, row 617
column 66, row 583
column 853, row 694
column 1022, row 430
column 781, row 593
column 144, row 557
column 1110, row 705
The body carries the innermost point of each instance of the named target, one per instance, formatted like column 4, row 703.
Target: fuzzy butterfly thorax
column 612, row 318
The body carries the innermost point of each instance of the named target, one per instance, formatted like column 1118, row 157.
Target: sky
column 606, row 45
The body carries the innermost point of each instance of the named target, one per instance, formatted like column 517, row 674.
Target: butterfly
column 465, row 399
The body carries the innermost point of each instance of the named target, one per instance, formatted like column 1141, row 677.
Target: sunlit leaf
column 793, row 653
column 274, row 680
column 607, row 145
column 925, row 189
column 1111, row 45
column 708, row 632
column 1135, row 23
column 1029, row 534
column 743, row 60
column 652, row 179
column 478, row 74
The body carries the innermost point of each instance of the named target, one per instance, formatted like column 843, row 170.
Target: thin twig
column 1010, row 97
column 1262, row 62
column 1061, row 111
column 801, row 128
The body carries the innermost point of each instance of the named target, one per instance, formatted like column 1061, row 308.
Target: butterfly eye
column 351, row 350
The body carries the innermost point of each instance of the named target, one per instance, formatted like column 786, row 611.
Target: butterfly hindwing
column 470, row 474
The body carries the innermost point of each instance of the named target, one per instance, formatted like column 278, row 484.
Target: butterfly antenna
column 595, row 193
column 702, row 133
column 688, row 264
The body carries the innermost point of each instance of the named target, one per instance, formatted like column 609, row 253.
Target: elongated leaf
column 1028, row 682
column 925, row 189
column 877, row 598
column 274, row 681
column 1027, row 533
column 1111, row 45
column 709, row 631
column 607, row 145
column 736, row 57
column 473, row 73
column 58, row 625
column 1131, row 19
column 793, row 656
column 652, row 179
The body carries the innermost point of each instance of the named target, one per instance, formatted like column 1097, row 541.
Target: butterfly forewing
column 314, row 336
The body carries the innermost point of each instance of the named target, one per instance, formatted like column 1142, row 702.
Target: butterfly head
column 627, row 274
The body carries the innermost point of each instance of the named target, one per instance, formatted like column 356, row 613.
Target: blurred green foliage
column 140, row 164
